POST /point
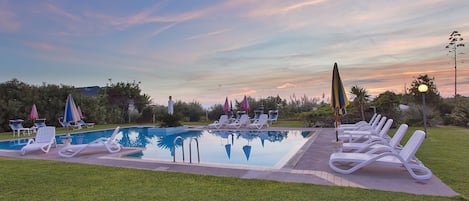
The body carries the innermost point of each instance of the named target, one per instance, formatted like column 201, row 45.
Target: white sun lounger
column 242, row 121
column 359, row 124
column 220, row 122
column 381, row 131
column 44, row 140
column 100, row 143
column 379, row 144
column 347, row 163
column 261, row 122
column 362, row 125
column 17, row 127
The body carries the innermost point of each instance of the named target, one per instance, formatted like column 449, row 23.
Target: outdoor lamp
column 423, row 88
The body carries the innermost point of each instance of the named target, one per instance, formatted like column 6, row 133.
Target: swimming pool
column 235, row 147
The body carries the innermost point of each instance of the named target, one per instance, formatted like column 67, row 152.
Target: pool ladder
column 190, row 149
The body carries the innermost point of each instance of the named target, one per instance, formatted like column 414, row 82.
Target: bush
column 170, row 120
column 414, row 116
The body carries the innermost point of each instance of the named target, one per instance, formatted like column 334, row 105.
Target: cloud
column 205, row 35
column 8, row 22
column 162, row 29
column 45, row 46
column 247, row 92
column 286, row 85
column 62, row 12
column 277, row 8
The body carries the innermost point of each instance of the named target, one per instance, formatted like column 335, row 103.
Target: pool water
column 241, row 148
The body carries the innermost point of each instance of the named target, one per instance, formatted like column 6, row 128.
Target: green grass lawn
column 444, row 152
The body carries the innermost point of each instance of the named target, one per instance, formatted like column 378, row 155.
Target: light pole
column 455, row 41
column 423, row 88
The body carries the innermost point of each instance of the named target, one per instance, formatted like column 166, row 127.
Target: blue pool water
column 245, row 148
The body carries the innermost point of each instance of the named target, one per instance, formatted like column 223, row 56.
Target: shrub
column 170, row 120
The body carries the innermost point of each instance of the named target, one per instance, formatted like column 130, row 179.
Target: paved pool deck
column 309, row 165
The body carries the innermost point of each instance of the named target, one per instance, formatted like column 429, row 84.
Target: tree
column 121, row 95
column 388, row 105
column 432, row 96
column 455, row 41
column 192, row 110
column 361, row 98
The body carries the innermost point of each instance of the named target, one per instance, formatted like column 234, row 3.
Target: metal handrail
column 182, row 146
column 190, row 149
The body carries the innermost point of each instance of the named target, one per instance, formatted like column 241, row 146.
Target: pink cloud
column 44, row 46
column 7, row 21
column 286, row 85
column 276, row 9
column 61, row 12
column 204, row 35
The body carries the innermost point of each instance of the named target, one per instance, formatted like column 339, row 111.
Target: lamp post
column 423, row 88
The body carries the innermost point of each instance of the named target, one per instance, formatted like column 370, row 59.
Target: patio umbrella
column 70, row 112
column 339, row 99
column 79, row 112
column 228, row 150
column 226, row 107
column 223, row 135
column 247, row 148
column 263, row 136
column 33, row 115
column 245, row 104
column 247, row 151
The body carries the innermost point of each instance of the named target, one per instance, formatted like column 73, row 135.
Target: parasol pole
column 336, row 127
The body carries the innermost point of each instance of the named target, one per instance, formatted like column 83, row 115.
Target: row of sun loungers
column 18, row 128
column 367, row 143
column 243, row 121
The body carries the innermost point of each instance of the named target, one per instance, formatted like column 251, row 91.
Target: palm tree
column 361, row 97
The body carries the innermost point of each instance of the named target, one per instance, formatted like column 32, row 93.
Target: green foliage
column 414, row 116
column 120, row 95
column 192, row 110
column 168, row 120
column 322, row 116
column 215, row 111
column 302, row 104
column 147, row 115
column 460, row 114
column 17, row 98
column 387, row 104
column 361, row 98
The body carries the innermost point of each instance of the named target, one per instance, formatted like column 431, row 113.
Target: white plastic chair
column 44, row 140
column 273, row 116
column 221, row 122
column 242, row 121
column 261, row 122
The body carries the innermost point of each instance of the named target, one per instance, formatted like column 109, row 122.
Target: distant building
column 89, row 91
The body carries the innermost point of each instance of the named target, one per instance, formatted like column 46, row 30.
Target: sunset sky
column 207, row 50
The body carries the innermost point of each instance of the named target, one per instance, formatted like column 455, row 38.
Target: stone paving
column 309, row 165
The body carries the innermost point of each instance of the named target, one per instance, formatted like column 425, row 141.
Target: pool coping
column 308, row 165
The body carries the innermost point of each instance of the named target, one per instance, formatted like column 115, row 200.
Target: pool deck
column 309, row 165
